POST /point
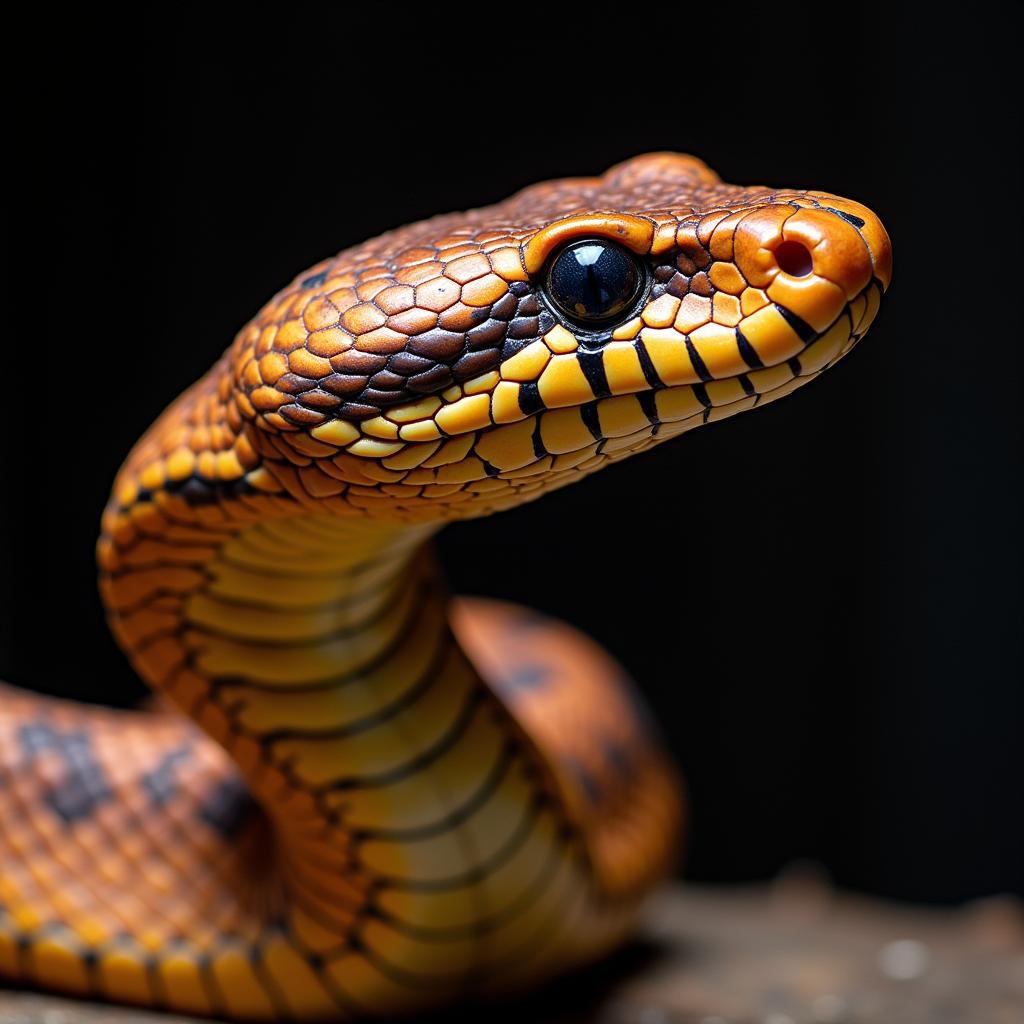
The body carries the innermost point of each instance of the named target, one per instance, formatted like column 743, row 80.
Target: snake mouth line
column 822, row 350
column 669, row 410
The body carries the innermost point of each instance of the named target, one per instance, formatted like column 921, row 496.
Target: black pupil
column 593, row 280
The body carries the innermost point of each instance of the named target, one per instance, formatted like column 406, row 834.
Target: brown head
column 476, row 360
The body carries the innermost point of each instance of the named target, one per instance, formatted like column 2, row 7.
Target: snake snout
column 811, row 261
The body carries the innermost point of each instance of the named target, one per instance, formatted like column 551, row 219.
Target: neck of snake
column 317, row 652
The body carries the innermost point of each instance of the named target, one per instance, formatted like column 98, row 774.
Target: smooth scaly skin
column 449, row 800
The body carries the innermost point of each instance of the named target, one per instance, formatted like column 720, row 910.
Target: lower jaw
column 675, row 409
column 684, row 406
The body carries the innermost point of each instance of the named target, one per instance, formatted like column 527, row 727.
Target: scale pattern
column 360, row 798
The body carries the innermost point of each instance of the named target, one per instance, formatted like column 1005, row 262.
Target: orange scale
column 362, row 318
column 367, row 290
column 417, row 273
column 395, row 299
column 343, row 298
column 411, row 257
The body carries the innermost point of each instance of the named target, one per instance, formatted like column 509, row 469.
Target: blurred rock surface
column 797, row 952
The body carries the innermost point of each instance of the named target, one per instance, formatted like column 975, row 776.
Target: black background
column 821, row 601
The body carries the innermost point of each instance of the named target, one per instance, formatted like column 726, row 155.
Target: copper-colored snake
column 377, row 800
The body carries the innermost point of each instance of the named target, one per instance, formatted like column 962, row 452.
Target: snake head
column 476, row 360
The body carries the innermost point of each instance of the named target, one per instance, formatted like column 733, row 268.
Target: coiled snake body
column 377, row 800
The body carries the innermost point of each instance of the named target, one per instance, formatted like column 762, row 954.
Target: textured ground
column 796, row 953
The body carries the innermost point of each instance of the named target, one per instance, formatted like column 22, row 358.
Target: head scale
column 475, row 360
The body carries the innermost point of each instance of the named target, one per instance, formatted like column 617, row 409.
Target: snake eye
column 593, row 280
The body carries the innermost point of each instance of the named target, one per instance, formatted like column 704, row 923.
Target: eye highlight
column 593, row 281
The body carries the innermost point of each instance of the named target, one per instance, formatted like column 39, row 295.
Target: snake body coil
column 378, row 800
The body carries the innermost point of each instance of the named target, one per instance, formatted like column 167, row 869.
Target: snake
column 354, row 795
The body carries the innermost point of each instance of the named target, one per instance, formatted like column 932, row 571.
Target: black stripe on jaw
column 698, row 363
column 649, row 405
column 650, row 372
column 539, row 451
column 592, row 365
column 701, row 394
column 803, row 330
column 591, row 420
column 747, row 351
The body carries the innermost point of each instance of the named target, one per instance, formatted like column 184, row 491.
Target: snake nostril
column 794, row 259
